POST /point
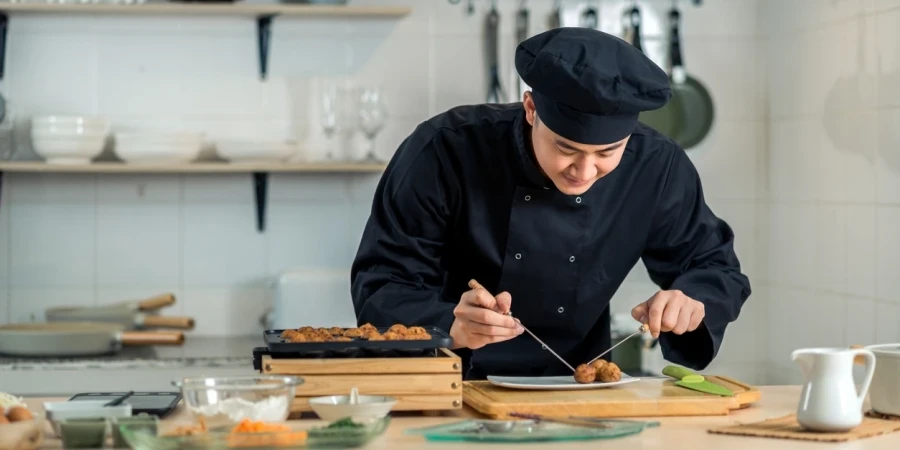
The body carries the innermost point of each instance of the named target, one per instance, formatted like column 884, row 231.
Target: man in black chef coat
column 549, row 203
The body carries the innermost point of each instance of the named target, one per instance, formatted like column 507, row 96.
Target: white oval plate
column 554, row 383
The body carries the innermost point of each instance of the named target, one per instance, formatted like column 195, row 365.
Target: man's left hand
column 670, row 311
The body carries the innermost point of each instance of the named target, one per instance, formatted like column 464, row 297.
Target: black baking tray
column 359, row 347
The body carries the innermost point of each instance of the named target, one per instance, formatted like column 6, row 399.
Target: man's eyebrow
column 566, row 145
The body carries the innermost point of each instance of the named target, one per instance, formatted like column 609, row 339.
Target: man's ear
column 530, row 111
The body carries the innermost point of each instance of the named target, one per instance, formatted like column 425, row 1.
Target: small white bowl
column 358, row 407
column 57, row 412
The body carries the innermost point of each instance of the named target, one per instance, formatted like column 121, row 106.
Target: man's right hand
column 481, row 320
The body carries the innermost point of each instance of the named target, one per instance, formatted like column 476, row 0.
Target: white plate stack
column 150, row 147
column 251, row 151
column 69, row 139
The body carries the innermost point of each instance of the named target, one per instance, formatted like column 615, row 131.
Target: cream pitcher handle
column 870, row 370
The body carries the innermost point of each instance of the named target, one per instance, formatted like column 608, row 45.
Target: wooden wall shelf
column 228, row 9
column 204, row 167
column 263, row 12
column 260, row 173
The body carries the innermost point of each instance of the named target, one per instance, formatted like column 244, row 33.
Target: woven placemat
column 878, row 415
column 787, row 428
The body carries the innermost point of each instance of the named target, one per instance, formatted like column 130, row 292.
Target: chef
column 548, row 203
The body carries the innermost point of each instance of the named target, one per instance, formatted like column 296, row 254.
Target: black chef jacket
column 463, row 198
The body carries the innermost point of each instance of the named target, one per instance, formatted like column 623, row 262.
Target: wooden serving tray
column 649, row 397
column 427, row 383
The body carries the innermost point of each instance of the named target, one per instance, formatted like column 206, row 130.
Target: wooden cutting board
column 645, row 398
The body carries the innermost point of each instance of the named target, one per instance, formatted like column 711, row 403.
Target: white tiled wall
column 831, row 234
column 97, row 239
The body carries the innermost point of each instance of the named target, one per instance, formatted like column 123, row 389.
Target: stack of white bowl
column 69, row 139
column 151, row 147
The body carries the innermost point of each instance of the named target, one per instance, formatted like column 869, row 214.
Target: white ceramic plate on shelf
column 561, row 383
column 250, row 151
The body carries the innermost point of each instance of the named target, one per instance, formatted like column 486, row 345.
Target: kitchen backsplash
column 831, row 232
column 93, row 239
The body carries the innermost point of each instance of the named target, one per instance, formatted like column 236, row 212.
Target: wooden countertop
column 675, row 433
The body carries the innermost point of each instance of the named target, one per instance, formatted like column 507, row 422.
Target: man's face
column 572, row 167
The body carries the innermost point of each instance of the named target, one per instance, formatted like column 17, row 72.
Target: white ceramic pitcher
column 830, row 401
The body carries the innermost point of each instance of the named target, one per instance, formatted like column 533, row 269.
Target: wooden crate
column 432, row 383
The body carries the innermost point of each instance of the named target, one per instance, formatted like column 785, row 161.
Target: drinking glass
column 372, row 117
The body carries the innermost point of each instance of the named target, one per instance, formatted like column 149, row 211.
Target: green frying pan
column 666, row 120
column 692, row 100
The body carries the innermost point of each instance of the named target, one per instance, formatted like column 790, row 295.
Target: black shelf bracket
column 4, row 25
column 264, row 39
column 261, row 189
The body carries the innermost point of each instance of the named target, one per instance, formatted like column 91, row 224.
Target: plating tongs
column 476, row 285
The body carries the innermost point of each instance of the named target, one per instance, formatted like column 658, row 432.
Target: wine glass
column 330, row 117
column 372, row 118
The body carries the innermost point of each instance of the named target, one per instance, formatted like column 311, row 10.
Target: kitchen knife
column 690, row 380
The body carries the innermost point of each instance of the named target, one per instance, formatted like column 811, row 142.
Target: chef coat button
column 571, row 259
column 527, row 197
column 543, row 347
column 546, row 188
column 518, row 256
column 577, row 199
column 560, row 310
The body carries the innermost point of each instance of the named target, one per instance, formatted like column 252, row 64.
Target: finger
column 697, row 318
column 486, row 317
column 639, row 312
column 488, row 330
column 480, row 298
column 684, row 320
column 504, row 302
column 657, row 305
column 479, row 340
column 670, row 315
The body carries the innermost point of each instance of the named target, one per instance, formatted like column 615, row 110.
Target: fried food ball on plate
column 585, row 374
column 609, row 373
column 599, row 363
column 393, row 336
column 368, row 327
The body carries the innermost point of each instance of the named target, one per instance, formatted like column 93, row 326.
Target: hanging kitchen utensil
column 495, row 90
column 694, row 102
column 521, row 35
column 589, row 17
column 667, row 120
column 126, row 318
column 555, row 18
column 77, row 339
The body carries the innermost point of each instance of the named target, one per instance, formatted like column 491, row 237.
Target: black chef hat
column 589, row 86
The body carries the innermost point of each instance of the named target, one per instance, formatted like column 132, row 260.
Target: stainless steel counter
column 138, row 368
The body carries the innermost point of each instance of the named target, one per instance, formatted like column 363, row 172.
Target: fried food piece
column 294, row 336
column 416, row 337
column 609, row 373
column 368, row 327
column 341, row 339
column 375, row 337
column 599, row 363
column 305, row 329
column 585, row 374
column 393, row 336
column 416, row 330
column 353, row 333
column 398, row 328
column 336, row 331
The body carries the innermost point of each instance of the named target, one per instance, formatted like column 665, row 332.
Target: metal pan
column 146, row 305
column 127, row 318
column 693, row 100
column 667, row 120
column 77, row 339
